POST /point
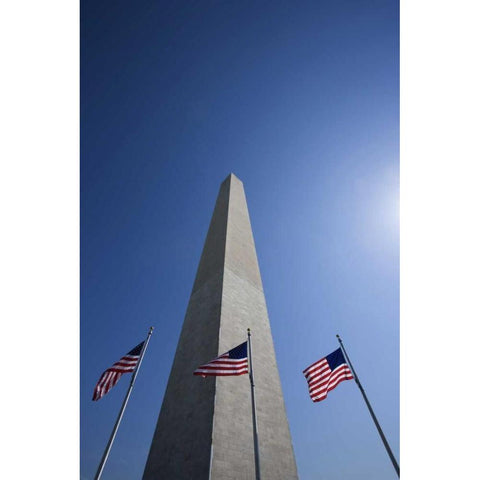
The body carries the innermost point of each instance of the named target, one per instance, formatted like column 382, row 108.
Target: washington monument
column 204, row 430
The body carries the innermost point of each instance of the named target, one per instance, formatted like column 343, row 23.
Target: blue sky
column 301, row 102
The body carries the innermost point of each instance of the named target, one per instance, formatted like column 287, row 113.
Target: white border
column 39, row 192
column 439, row 238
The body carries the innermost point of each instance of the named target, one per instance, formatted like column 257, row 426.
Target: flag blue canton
column 335, row 359
column 238, row 352
column 136, row 350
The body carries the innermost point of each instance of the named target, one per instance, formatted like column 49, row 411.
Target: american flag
column 112, row 375
column 326, row 374
column 234, row 362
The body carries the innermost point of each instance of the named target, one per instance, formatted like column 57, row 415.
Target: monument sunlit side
column 204, row 430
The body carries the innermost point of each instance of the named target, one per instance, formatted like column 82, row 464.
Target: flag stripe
column 318, row 373
column 224, row 365
column 219, row 373
column 342, row 370
column 330, row 384
column 322, row 395
column 315, row 366
column 317, row 398
column 327, row 386
column 220, row 369
column 227, row 360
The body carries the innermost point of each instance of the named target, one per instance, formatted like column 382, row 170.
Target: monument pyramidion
column 205, row 429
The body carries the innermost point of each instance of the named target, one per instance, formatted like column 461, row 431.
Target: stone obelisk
column 204, row 430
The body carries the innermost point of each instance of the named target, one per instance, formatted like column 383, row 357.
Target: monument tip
column 232, row 175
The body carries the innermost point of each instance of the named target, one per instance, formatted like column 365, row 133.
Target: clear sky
column 301, row 101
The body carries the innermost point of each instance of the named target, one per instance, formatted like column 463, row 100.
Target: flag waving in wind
column 234, row 362
column 112, row 375
column 326, row 374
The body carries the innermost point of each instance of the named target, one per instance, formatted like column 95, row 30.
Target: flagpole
column 125, row 401
column 382, row 436
column 254, row 411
